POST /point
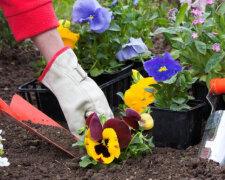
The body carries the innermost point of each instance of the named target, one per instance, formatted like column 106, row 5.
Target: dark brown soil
column 33, row 158
column 60, row 136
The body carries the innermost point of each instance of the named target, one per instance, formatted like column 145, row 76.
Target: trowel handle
column 218, row 85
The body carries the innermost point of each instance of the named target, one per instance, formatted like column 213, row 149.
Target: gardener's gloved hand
column 78, row 95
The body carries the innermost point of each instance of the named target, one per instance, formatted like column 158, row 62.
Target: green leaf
column 85, row 161
column 181, row 14
column 150, row 142
column 155, row 86
column 82, row 130
column 200, row 46
column 178, row 100
column 114, row 27
column 102, row 56
column 175, row 53
column 162, row 22
column 149, row 42
column 136, row 140
column 150, row 90
column 183, row 29
column 33, row 64
column 213, row 61
column 154, row 16
column 171, row 80
column 120, row 94
column 221, row 9
column 213, row 37
column 1, row 152
column 164, row 30
column 176, row 107
column 95, row 72
column 79, row 143
column 178, row 39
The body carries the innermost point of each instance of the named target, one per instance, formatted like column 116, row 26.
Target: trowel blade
column 20, row 112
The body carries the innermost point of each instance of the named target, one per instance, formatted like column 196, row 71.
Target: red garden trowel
column 20, row 110
column 213, row 142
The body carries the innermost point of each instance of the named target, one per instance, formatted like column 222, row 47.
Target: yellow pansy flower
column 69, row 38
column 65, row 23
column 136, row 97
column 105, row 150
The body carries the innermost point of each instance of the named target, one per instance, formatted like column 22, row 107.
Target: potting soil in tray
column 59, row 136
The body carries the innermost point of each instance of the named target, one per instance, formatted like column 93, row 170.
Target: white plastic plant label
column 214, row 138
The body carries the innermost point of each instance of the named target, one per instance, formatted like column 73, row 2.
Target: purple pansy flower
column 162, row 68
column 132, row 49
column 91, row 11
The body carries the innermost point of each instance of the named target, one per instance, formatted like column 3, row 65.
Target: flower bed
column 31, row 157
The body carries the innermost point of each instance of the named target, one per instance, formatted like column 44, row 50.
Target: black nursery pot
column 178, row 129
column 41, row 97
column 105, row 77
column 50, row 106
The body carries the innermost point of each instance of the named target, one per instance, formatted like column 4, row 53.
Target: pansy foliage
column 173, row 83
column 111, row 32
column 196, row 34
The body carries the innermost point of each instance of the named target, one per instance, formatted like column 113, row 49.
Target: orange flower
column 69, row 38
column 137, row 97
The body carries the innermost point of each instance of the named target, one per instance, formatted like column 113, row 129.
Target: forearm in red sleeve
column 28, row 18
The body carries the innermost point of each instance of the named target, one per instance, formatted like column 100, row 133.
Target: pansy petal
column 138, row 45
column 83, row 9
column 87, row 121
column 127, row 53
column 122, row 131
column 131, row 113
column 101, row 20
column 95, row 128
column 135, row 2
column 151, row 65
column 131, row 122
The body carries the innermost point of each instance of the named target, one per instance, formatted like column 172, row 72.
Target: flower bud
column 146, row 121
column 136, row 75
column 65, row 23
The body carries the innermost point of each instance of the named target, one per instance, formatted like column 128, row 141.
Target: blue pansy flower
column 132, row 49
column 162, row 68
column 115, row 2
column 135, row 2
column 92, row 12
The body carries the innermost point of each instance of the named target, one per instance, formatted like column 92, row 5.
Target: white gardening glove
column 78, row 95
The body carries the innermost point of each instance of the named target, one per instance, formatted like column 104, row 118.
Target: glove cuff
column 51, row 62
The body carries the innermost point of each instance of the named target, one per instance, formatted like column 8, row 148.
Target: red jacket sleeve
column 28, row 18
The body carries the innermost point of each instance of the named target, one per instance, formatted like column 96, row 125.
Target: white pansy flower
column 4, row 162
